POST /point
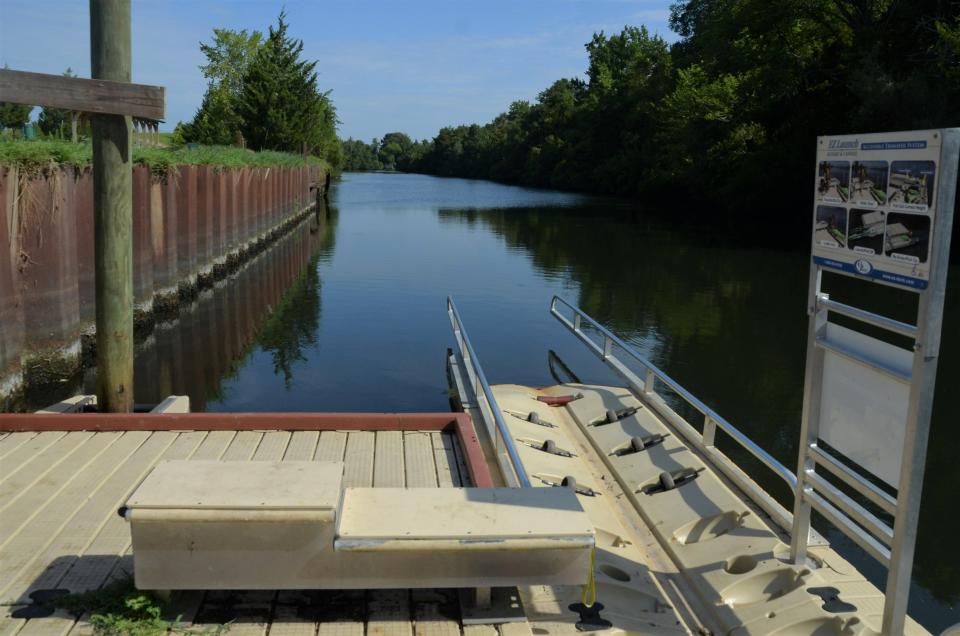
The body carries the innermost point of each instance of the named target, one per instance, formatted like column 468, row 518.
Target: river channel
column 350, row 316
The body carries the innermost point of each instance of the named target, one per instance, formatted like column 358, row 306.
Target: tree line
column 263, row 95
column 724, row 119
column 396, row 151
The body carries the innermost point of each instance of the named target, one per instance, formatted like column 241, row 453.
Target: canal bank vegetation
column 719, row 126
column 37, row 155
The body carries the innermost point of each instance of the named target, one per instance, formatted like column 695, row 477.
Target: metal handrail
column 480, row 381
column 704, row 441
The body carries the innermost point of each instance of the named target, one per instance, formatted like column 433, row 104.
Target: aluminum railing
column 506, row 451
column 646, row 387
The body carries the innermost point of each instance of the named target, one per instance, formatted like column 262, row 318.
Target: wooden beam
column 87, row 95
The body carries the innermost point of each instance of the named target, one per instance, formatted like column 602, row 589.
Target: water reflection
column 271, row 305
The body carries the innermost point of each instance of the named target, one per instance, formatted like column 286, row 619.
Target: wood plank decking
column 59, row 493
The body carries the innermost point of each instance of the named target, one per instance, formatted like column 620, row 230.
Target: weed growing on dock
column 120, row 608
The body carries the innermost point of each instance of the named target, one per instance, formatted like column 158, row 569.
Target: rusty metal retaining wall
column 190, row 227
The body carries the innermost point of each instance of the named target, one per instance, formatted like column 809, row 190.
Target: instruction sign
column 874, row 205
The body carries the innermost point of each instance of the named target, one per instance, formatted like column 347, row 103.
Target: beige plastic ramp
column 466, row 537
column 730, row 557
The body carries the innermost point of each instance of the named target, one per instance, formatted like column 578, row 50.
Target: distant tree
column 228, row 57
column 359, row 156
column 13, row 115
column 393, row 148
column 55, row 122
column 280, row 104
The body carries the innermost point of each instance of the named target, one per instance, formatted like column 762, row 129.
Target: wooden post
column 73, row 125
column 113, row 211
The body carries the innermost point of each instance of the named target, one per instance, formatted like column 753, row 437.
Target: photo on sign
column 911, row 183
column 907, row 237
column 865, row 234
column 833, row 181
column 868, row 183
column 830, row 226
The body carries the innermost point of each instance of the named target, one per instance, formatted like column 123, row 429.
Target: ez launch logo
column 840, row 144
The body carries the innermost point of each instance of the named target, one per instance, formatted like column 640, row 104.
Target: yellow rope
column 589, row 596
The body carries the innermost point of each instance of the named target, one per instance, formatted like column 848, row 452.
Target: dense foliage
column 706, row 122
column 396, row 151
column 261, row 91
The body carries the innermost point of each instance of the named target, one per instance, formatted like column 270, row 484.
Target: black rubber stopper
column 666, row 481
column 636, row 444
column 533, row 417
column 590, row 619
column 612, row 416
column 549, row 446
column 569, row 482
column 831, row 600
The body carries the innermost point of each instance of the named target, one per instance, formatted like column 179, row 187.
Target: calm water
column 349, row 315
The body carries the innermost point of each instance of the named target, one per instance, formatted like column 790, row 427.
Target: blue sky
column 406, row 65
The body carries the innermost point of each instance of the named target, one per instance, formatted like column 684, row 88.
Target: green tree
column 215, row 122
column 13, row 115
column 55, row 122
column 393, row 148
column 228, row 56
column 280, row 105
column 359, row 155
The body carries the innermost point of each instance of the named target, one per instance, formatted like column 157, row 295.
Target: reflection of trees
column 727, row 322
column 325, row 223
column 295, row 322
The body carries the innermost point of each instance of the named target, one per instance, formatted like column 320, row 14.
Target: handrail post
column 709, row 431
column 607, row 347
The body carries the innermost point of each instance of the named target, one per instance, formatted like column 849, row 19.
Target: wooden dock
column 60, row 490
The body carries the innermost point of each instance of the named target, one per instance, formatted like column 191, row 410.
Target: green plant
column 119, row 608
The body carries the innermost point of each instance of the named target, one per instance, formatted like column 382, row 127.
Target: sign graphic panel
column 874, row 205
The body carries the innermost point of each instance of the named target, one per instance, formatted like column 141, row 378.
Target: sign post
column 883, row 213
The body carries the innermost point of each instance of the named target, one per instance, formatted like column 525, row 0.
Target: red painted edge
column 459, row 423
column 472, row 451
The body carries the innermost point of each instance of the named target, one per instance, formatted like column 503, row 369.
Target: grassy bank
column 36, row 155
